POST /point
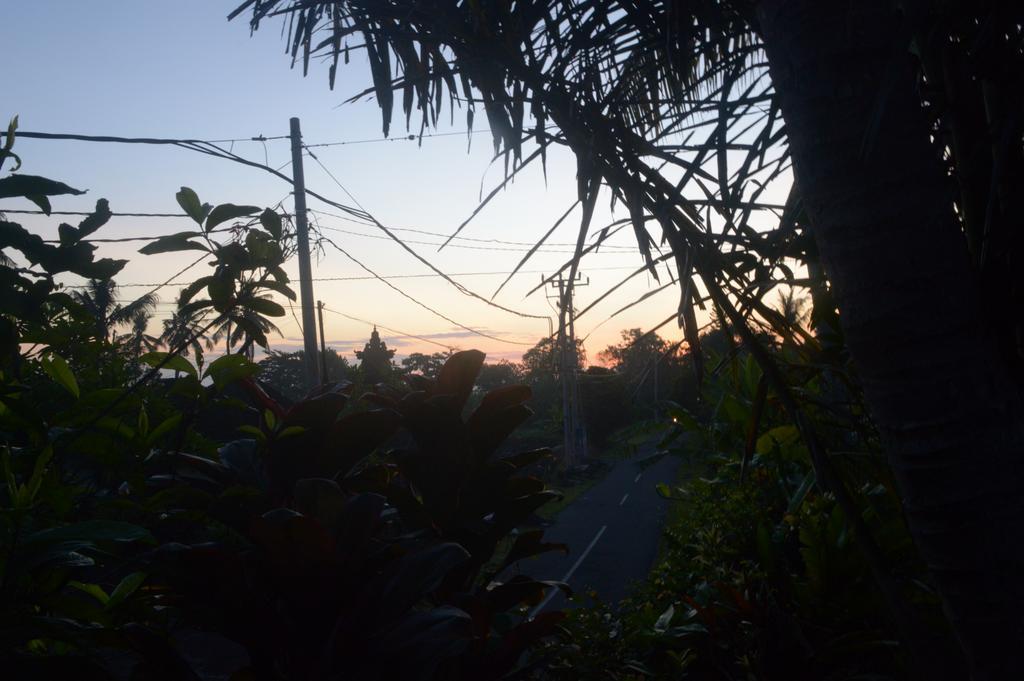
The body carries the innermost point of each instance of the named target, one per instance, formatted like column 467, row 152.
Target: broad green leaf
column 104, row 268
column 172, row 363
column 227, row 211
column 166, row 426
column 129, row 585
column 280, row 287
column 142, row 425
column 221, row 290
column 102, row 398
column 192, row 289
column 94, row 590
column 230, row 368
column 30, row 186
column 289, row 431
column 173, row 242
column 189, row 202
column 41, row 201
column 265, row 307
column 58, row 369
column 271, row 222
column 252, row 430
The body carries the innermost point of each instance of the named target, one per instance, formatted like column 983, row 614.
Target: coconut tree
column 100, row 299
column 137, row 340
column 902, row 126
column 183, row 331
column 237, row 329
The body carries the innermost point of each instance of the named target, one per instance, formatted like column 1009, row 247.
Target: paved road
column 612, row 531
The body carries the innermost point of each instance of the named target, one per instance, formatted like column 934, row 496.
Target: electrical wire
column 87, row 213
column 384, row 276
column 462, row 289
column 623, row 248
column 420, row 303
column 463, row 246
column 406, row 138
column 394, row 331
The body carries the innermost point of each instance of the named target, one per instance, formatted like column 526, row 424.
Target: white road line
column 568, row 575
column 637, row 478
column 624, row 497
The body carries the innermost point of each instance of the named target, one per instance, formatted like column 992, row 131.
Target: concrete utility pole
column 305, row 269
column 573, row 430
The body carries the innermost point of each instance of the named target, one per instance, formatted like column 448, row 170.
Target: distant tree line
column 633, row 378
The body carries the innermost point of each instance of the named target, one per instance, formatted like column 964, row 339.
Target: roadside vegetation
column 161, row 518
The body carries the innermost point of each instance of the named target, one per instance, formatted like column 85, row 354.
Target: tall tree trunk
column 880, row 210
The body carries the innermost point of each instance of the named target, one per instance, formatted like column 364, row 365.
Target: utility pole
column 305, row 270
column 323, row 343
column 573, row 430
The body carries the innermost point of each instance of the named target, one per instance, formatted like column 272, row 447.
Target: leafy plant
column 321, row 544
column 759, row 576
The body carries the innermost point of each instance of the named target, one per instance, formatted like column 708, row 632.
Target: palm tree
column 184, row 333
column 907, row 167
column 137, row 340
column 239, row 328
column 99, row 298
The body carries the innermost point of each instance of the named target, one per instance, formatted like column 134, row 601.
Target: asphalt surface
column 612, row 531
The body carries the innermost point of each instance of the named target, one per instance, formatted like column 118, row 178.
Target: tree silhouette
column 182, row 330
column 100, row 299
column 234, row 334
column 137, row 340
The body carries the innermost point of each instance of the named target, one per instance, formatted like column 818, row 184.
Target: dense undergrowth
column 167, row 519
column 760, row 575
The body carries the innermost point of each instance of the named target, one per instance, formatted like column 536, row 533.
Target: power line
column 394, row 331
column 462, row 289
column 405, row 138
column 175, row 275
column 463, row 246
column 611, row 248
column 86, row 213
column 208, row 148
column 418, row 302
column 458, row 274
column 201, row 146
column 386, row 276
column 133, row 140
column 211, row 149
column 623, row 248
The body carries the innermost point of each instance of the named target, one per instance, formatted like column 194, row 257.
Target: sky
column 179, row 69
